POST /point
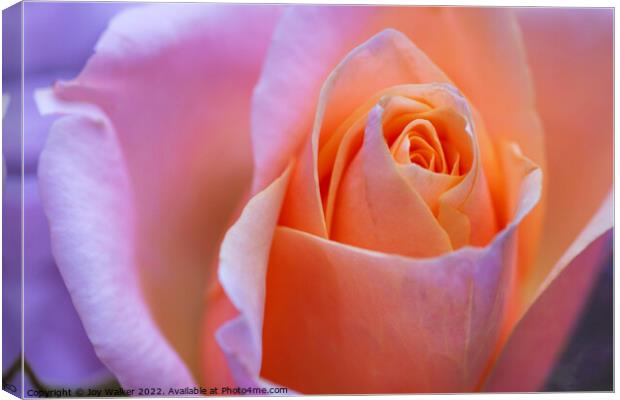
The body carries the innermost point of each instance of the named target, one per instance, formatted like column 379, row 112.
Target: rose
column 96, row 171
column 318, row 324
column 53, row 330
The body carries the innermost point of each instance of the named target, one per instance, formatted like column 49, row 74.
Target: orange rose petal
column 302, row 207
column 574, row 94
column 346, row 320
column 456, row 223
column 349, row 321
column 423, row 133
column 397, row 110
column 376, row 208
column 456, row 167
column 399, row 106
column 471, row 38
column 445, row 117
column 482, row 52
column 429, row 185
column 390, row 59
column 514, row 168
column 542, row 332
column 401, row 150
column 470, row 198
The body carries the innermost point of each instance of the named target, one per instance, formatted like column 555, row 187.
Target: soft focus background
column 59, row 38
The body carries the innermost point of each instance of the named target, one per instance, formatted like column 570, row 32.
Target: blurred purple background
column 59, row 38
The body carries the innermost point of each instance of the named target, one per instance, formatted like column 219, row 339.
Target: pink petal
column 86, row 194
column 243, row 267
column 307, row 44
column 543, row 331
column 177, row 94
column 52, row 328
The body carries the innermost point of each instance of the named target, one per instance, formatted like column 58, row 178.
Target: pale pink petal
column 176, row 82
column 86, row 193
column 307, row 45
column 243, row 267
column 541, row 334
column 64, row 336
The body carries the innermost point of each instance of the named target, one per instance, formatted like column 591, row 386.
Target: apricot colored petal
column 541, row 334
column 480, row 42
column 482, row 45
column 84, row 184
column 377, row 209
column 178, row 95
column 430, row 324
column 486, row 42
column 470, row 38
column 482, row 53
column 387, row 59
column 428, row 184
column 514, row 165
column 573, row 79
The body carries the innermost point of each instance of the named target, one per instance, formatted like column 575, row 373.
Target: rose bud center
column 408, row 154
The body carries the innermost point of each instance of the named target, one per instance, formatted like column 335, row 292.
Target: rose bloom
column 407, row 199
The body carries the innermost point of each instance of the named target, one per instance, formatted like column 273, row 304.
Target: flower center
column 432, row 138
column 425, row 133
column 419, row 143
